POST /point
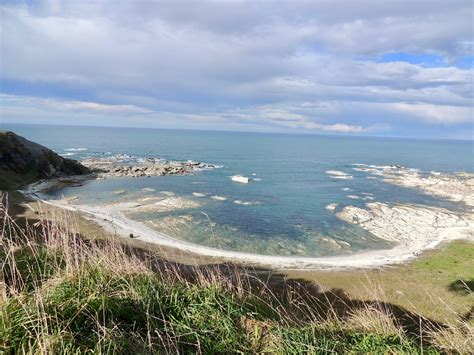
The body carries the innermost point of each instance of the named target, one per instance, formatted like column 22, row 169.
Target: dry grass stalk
column 295, row 304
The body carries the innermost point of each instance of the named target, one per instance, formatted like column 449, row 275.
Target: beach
column 411, row 228
column 355, row 204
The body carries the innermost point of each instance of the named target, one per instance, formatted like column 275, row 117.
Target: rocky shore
column 458, row 187
column 23, row 162
column 413, row 229
column 122, row 165
column 409, row 225
column 455, row 187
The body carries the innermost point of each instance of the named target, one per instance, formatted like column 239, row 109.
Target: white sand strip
column 412, row 228
column 115, row 222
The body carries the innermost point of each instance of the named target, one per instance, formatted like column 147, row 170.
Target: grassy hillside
column 439, row 284
column 23, row 162
column 62, row 293
column 432, row 285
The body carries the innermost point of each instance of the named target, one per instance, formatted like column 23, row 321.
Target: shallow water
column 282, row 211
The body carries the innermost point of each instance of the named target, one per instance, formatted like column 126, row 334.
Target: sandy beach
column 115, row 222
column 412, row 228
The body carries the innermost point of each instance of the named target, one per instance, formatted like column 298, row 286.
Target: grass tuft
column 62, row 294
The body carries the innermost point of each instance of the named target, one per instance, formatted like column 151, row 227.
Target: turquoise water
column 286, row 210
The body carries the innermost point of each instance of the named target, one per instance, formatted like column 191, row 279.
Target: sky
column 366, row 67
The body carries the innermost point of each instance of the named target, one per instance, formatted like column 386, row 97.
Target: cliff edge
column 23, row 162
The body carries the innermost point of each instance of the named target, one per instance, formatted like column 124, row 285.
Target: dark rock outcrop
column 23, row 162
column 109, row 167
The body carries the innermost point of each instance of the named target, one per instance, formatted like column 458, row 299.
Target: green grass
column 319, row 340
column 10, row 180
column 454, row 262
column 63, row 295
column 102, row 311
column 444, row 275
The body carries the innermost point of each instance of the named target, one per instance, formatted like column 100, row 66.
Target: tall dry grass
column 63, row 293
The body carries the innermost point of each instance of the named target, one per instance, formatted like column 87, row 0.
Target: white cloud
column 10, row 103
column 437, row 113
column 298, row 65
column 336, row 127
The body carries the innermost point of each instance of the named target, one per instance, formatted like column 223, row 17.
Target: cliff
column 23, row 162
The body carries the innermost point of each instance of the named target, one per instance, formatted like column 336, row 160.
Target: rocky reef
column 23, row 162
column 455, row 187
column 458, row 187
column 123, row 165
column 407, row 224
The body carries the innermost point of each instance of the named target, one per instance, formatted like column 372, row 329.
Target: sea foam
column 75, row 149
column 218, row 198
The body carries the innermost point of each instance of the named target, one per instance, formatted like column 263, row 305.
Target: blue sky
column 398, row 68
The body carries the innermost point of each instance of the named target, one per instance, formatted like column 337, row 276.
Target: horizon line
column 345, row 135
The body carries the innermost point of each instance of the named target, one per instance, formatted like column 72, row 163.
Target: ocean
column 283, row 210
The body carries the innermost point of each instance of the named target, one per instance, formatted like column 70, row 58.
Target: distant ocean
column 282, row 211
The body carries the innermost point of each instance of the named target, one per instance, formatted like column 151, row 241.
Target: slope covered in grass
column 23, row 162
column 63, row 294
column 439, row 284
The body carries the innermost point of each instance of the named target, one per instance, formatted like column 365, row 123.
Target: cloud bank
column 365, row 67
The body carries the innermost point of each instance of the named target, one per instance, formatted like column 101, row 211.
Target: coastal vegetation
column 23, row 162
column 69, row 286
column 64, row 293
column 236, row 177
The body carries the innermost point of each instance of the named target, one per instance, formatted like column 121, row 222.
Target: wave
column 380, row 170
column 335, row 174
column 218, row 198
column 240, row 178
column 342, row 177
column 75, row 149
column 246, row 203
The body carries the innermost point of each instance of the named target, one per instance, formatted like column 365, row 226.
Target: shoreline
column 132, row 166
column 414, row 229
column 115, row 222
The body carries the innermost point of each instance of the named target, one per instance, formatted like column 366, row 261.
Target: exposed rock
column 117, row 167
column 23, row 162
column 155, row 204
column 344, row 243
column 406, row 223
column 457, row 187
